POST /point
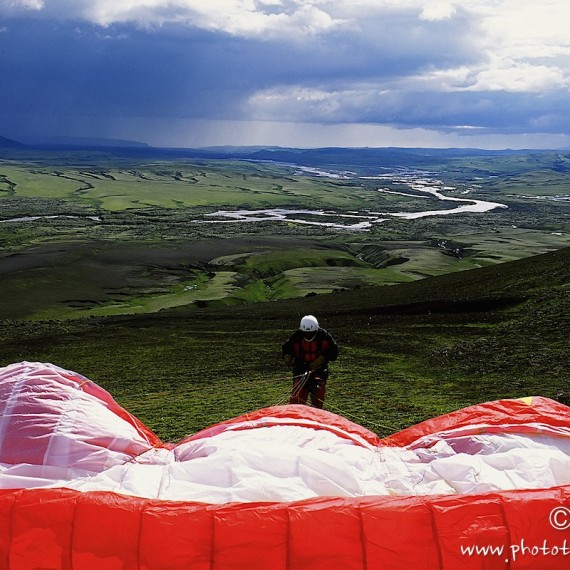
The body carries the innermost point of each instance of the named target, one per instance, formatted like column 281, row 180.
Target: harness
column 306, row 351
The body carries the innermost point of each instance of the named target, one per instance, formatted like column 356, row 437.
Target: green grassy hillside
column 408, row 351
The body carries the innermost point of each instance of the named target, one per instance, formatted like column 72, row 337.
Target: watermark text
column 514, row 551
column 559, row 519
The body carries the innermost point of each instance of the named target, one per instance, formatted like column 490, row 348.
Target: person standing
column 308, row 351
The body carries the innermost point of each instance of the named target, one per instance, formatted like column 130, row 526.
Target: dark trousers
column 313, row 386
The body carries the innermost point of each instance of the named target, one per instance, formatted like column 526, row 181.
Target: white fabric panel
column 262, row 465
column 52, row 433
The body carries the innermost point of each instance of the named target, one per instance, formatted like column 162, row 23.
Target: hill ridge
column 498, row 286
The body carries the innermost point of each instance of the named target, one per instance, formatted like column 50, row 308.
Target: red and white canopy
column 84, row 484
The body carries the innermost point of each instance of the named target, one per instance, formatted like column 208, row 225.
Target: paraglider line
column 305, row 377
column 296, row 390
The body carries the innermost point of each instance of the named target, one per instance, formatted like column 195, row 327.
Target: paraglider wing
column 84, row 485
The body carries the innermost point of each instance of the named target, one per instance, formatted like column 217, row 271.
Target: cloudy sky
column 463, row 73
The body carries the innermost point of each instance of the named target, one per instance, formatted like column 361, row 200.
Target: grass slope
column 408, row 352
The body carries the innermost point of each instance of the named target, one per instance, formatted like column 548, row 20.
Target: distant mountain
column 84, row 142
column 230, row 149
column 10, row 143
column 366, row 157
column 361, row 159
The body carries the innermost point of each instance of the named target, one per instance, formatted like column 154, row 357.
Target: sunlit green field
column 179, row 185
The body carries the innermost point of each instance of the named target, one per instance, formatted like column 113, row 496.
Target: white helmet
column 309, row 324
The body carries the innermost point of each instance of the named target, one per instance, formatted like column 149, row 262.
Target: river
column 420, row 184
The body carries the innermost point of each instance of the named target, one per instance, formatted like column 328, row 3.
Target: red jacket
column 305, row 351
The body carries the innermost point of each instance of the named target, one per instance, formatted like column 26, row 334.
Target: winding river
column 420, row 186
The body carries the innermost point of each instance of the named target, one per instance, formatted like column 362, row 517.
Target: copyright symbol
column 560, row 518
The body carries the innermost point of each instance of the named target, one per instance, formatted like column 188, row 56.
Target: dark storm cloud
column 69, row 67
column 60, row 66
column 115, row 71
column 63, row 69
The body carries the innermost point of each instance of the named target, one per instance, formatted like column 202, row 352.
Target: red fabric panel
column 541, row 410
column 399, row 533
column 59, row 529
column 106, row 532
column 327, row 420
column 250, row 536
column 533, row 536
column 42, row 525
column 176, row 536
column 325, row 534
column 7, row 500
column 467, row 522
